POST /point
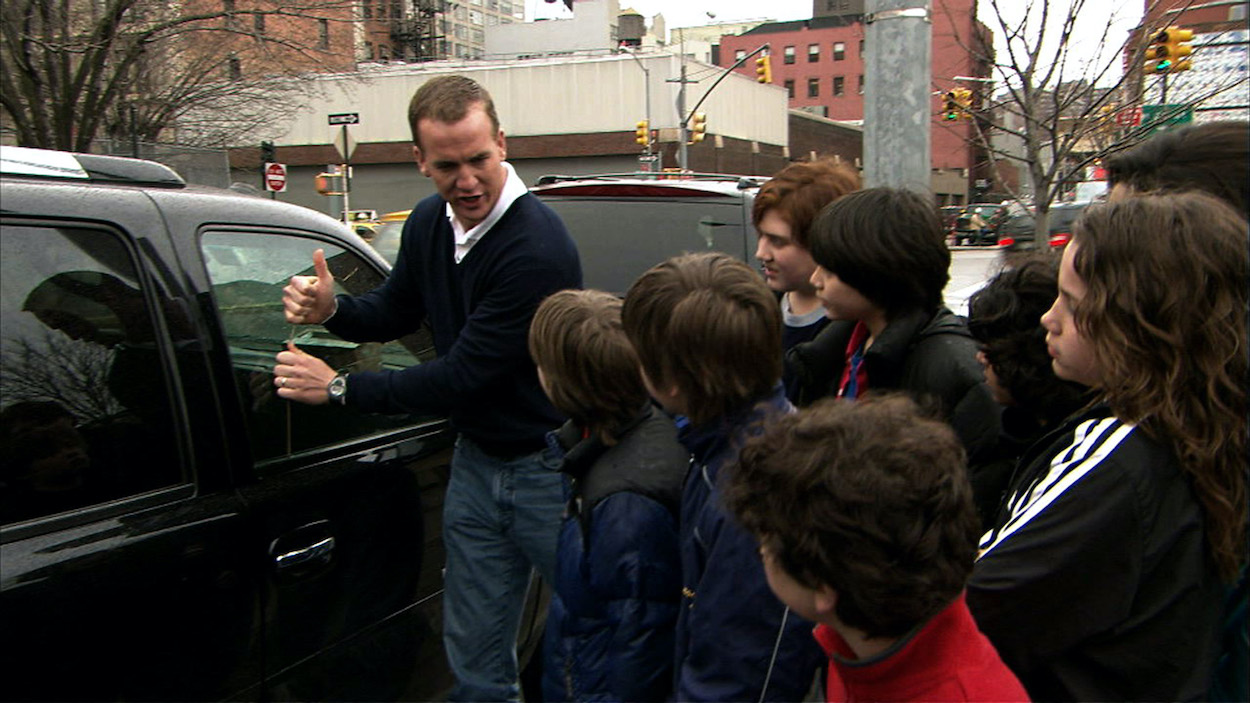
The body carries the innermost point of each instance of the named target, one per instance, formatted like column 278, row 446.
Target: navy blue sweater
column 479, row 311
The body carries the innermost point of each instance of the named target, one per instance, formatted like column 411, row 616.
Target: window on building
column 368, row 51
column 790, row 88
column 740, row 54
column 234, row 68
column 839, row 86
column 813, row 87
column 861, row 48
column 323, row 34
column 788, row 55
column 813, row 53
column 839, row 51
column 367, row 10
column 258, row 24
column 227, row 6
column 861, row 84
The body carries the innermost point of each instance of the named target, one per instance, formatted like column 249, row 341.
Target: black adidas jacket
column 1095, row 584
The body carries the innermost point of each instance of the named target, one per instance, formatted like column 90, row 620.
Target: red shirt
column 946, row 660
column 854, row 375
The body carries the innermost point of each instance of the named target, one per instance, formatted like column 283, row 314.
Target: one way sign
column 345, row 118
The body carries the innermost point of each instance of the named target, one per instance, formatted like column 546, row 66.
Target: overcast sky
column 1121, row 15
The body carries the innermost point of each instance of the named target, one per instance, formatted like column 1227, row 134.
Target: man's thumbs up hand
column 309, row 300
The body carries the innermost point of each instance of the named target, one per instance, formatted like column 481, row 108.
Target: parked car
column 626, row 223
column 169, row 528
column 1017, row 232
column 963, row 231
column 949, row 215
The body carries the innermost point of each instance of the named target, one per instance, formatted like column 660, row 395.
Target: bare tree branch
column 77, row 70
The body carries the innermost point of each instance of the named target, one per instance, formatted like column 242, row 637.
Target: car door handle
column 316, row 554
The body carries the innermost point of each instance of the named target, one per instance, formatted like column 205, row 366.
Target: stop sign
column 275, row 177
column 1129, row 117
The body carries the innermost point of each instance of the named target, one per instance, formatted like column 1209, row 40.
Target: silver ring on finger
column 282, row 382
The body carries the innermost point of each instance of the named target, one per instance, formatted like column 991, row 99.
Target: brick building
column 820, row 62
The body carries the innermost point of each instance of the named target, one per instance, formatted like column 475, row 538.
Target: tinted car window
column 619, row 239
column 248, row 272
column 86, row 415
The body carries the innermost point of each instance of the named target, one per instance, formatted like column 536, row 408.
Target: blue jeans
column 501, row 517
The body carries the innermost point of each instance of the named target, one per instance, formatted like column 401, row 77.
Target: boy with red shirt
column 866, row 526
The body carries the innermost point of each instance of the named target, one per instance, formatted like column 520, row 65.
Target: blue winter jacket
column 735, row 640
column 618, row 575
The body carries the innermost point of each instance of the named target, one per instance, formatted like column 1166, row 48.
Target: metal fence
column 198, row 165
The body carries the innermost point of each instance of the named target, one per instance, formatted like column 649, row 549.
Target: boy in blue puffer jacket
column 618, row 575
column 708, row 333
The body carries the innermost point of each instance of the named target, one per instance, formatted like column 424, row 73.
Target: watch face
column 337, row 388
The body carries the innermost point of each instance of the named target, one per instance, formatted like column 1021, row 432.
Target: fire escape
column 417, row 34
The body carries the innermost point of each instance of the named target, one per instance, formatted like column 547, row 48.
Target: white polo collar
column 513, row 188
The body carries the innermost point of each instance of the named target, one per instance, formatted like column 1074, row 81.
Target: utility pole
column 683, row 134
column 898, row 41
column 683, row 129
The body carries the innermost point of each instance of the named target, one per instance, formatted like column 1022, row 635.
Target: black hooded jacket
column 931, row 356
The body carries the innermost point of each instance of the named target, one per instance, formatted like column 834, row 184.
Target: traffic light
column 963, row 100
column 698, row 127
column 642, row 132
column 950, row 111
column 1168, row 49
column 268, row 153
column 329, row 183
column 764, row 69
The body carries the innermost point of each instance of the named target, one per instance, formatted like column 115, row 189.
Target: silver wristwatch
column 337, row 389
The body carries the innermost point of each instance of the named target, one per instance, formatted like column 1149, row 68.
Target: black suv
column 169, row 528
column 626, row 223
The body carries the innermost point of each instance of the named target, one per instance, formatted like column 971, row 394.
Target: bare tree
column 1051, row 112
column 75, row 70
column 55, row 367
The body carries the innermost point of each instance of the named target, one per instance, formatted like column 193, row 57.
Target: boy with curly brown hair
column 866, row 526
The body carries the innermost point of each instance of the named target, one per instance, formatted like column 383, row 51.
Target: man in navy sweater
column 475, row 260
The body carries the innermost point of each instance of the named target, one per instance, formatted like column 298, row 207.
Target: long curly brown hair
column 1166, row 313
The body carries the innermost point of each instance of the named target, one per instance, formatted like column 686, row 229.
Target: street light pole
column 646, row 77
